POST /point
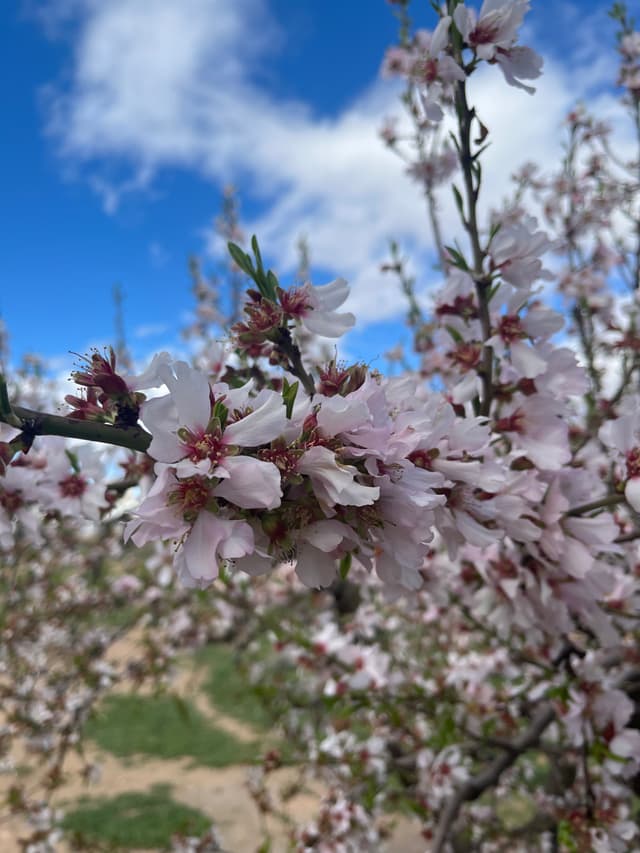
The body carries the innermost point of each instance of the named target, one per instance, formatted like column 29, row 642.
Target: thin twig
column 601, row 503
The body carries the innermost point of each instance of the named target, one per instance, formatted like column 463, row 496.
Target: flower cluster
column 354, row 474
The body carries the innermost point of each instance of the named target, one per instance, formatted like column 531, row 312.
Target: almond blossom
column 321, row 316
column 189, row 435
column 516, row 252
column 623, row 435
column 492, row 35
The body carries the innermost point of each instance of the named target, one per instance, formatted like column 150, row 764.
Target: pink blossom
column 210, row 540
column 515, row 251
column 495, row 27
column 321, row 317
column 317, row 552
column 623, row 435
column 188, row 436
column 493, row 34
column 333, row 482
column 178, row 509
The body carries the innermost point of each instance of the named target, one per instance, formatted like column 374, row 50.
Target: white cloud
column 160, row 83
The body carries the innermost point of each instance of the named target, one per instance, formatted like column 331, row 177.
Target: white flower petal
column 262, row 426
column 251, row 484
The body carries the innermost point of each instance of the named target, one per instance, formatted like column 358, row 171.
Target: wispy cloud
column 165, row 84
column 150, row 330
column 158, row 254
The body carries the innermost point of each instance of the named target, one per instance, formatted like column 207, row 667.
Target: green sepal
column 73, row 459
column 219, row 416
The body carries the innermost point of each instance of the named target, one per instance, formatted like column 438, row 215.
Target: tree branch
column 33, row 423
column 478, row 784
column 601, row 503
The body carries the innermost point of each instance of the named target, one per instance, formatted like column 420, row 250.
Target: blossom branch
column 286, row 346
column 471, row 177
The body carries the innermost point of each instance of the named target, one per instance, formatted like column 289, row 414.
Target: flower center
column 11, row 501
column 510, row 328
column 466, row 355
column 633, row 462
column 205, row 445
column 511, row 423
column 430, row 71
column 190, row 495
column 72, row 486
column 484, row 33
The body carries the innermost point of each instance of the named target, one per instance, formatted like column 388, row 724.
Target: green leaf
column 73, row 459
column 493, row 290
column 256, row 252
column 458, row 258
column 345, row 566
column 5, row 405
column 560, row 691
column 481, row 151
column 242, row 259
column 271, row 286
column 289, row 393
column 564, row 834
column 267, row 283
column 493, row 231
column 458, row 197
column 455, row 334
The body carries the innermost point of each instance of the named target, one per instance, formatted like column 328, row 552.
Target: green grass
column 133, row 820
column 165, row 727
column 228, row 688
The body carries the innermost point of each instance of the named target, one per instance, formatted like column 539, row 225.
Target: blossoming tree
column 475, row 519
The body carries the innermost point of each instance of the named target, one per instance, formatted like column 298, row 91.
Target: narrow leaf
column 242, row 259
column 455, row 334
column 345, row 566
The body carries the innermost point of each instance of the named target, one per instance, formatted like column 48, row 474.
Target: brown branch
column 601, row 503
column 34, row 423
column 478, row 784
column 285, row 344
column 627, row 537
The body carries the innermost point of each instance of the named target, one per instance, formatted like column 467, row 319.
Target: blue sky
column 125, row 118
